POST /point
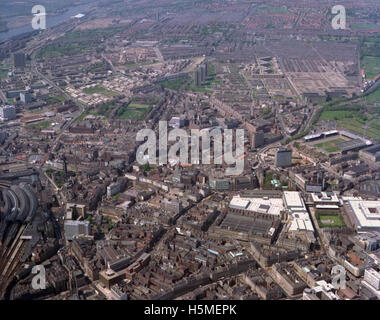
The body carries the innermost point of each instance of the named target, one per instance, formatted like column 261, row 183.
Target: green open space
column 337, row 115
column 269, row 9
column 371, row 65
column 364, row 26
column 76, row 42
column 187, row 83
column 134, row 111
column 87, row 113
column 370, row 55
column 93, row 33
column 329, row 219
column 63, row 49
column 359, row 119
column 40, row 125
column 56, row 99
column 373, row 97
column 99, row 89
column 370, row 129
column 3, row 73
column 330, row 146
column 175, row 84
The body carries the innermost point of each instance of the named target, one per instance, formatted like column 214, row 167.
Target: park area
column 329, row 219
column 134, row 111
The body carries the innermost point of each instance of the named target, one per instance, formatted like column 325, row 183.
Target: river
column 51, row 21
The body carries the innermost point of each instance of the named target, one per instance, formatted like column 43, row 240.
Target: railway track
column 10, row 259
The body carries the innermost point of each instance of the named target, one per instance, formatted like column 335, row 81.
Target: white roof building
column 300, row 218
column 325, row 197
column 273, row 206
column 366, row 213
column 326, row 200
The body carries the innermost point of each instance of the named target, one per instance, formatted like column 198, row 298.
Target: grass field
column 65, row 49
column 93, row 33
column 364, row 26
column 40, row 125
column 371, row 65
column 354, row 119
column 87, row 113
column 330, row 146
column 3, row 73
column 337, row 115
column 373, row 97
column 99, row 89
column 269, row 9
column 56, row 99
column 175, row 84
column 370, row 55
column 373, row 130
column 329, row 219
column 134, row 111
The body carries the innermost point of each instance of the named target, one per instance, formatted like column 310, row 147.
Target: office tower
column 26, row 97
column 203, row 73
column 257, row 139
column 197, row 78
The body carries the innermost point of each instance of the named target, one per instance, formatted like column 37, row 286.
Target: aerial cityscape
column 190, row 150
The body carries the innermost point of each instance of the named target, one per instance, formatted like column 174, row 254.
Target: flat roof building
column 19, row 60
column 300, row 219
column 325, row 200
column 364, row 215
column 283, row 158
column 7, row 113
column 272, row 206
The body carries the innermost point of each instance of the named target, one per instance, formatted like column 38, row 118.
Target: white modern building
column 322, row 291
column 265, row 205
column 364, row 215
column 296, row 208
column 325, row 200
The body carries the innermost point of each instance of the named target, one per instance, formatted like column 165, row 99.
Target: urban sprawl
column 104, row 226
